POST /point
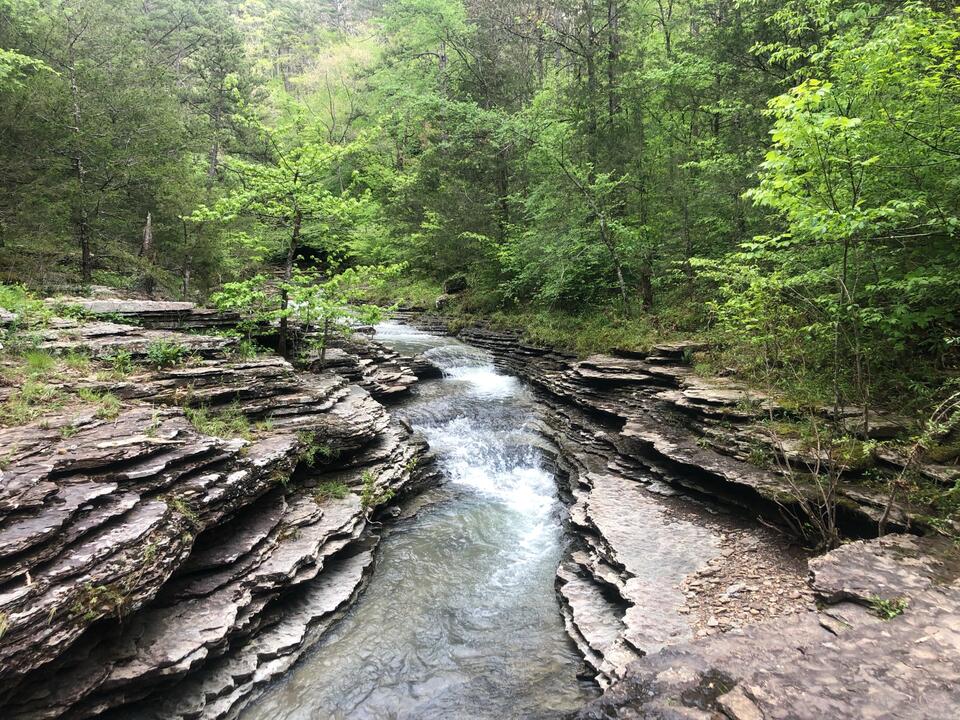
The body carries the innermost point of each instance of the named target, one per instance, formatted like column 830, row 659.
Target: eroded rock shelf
column 151, row 569
column 723, row 618
column 140, row 553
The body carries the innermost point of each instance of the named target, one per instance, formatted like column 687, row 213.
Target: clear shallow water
column 460, row 619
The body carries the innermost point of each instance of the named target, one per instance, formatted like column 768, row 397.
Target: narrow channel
column 461, row 617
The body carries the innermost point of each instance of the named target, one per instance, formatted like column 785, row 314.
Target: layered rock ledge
column 169, row 556
column 682, row 605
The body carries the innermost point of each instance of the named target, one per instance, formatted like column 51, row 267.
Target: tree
column 293, row 201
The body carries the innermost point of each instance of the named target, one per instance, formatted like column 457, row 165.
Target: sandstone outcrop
column 171, row 558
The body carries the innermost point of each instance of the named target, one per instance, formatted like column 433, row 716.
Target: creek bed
column 461, row 618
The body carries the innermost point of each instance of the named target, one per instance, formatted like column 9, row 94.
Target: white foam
column 484, row 381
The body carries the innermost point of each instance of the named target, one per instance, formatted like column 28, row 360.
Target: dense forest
column 780, row 177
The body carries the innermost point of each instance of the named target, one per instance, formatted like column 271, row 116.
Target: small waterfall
column 461, row 619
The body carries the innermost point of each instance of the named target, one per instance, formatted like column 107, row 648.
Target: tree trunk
column 283, row 345
column 618, row 266
column 540, row 35
column 687, row 237
column 646, row 283
column 80, row 218
column 146, row 251
column 590, row 60
column 613, row 58
column 323, row 346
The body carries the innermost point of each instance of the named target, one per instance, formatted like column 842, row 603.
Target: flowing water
column 460, row 619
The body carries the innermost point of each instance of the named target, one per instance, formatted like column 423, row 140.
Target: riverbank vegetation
column 778, row 178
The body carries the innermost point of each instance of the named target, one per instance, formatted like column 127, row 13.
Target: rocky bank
column 725, row 617
column 170, row 556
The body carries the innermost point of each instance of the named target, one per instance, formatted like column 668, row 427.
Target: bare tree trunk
column 591, row 62
column 618, row 266
column 646, row 283
column 287, row 274
column 540, row 53
column 81, row 220
column 146, row 246
column 146, row 251
column 613, row 58
column 687, row 237
column 323, row 347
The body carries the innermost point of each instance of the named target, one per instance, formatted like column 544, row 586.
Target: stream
column 460, row 618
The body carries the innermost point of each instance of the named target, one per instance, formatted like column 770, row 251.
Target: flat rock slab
column 840, row 663
column 134, row 307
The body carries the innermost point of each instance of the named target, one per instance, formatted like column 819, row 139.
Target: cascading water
column 460, row 619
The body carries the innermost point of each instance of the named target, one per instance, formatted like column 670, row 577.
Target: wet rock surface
column 382, row 372
column 149, row 568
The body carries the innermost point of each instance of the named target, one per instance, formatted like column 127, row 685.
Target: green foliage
column 121, row 361
column 182, row 507
column 32, row 400
column 39, row 362
column 230, row 422
column 77, row 361
column 96, row 601
column 888, row 609
column 313, row 449
column 332, row 489
column 249, row 298
column 164, row 353
column 370, row 495
column 779, row 177
column 108, row 404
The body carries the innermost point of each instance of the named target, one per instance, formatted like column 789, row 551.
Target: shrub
column 162, row 353
column 332, row 489
column 227, row 423
column 122, row 362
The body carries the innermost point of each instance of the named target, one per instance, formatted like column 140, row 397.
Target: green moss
column 180, row 506
column 853, row 455
column 406, row 292
column 942, row 453
column 596, row 331
column 96, row 601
